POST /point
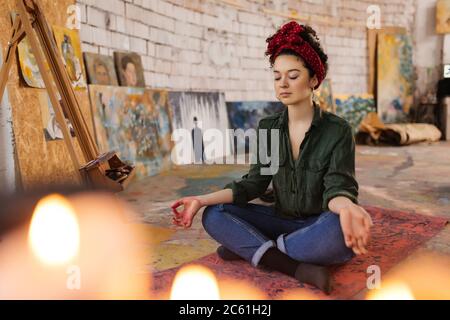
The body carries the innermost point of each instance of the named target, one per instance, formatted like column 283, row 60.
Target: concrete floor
column 411, row 178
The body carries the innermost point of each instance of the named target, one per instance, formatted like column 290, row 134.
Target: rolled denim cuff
column 261, row 250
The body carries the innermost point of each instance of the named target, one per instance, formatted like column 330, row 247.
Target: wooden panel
column 39, row 162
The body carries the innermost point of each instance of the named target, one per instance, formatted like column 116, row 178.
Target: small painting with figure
column 100, row 69
column 129, row 68
column 68, row 42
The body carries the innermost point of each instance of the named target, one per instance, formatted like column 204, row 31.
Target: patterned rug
column 394, row 236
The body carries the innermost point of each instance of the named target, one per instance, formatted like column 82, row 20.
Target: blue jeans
column 249, row 231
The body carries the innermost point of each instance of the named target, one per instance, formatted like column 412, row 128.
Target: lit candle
column 54, row 235
column 195, row 282
column 77, row 247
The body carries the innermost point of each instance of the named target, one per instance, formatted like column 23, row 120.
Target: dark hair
column 310, row 36
column 125, row 61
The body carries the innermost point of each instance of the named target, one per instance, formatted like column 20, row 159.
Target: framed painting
column 133, row 122
column 204, row 116
column 395, row 77
column 354, row 108
column 129, row 69
column 100, row 69
column 68, row 42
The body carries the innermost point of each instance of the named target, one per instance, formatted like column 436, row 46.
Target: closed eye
column 292, row 78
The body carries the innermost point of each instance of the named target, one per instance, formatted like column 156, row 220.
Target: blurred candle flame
column 54, row 235
column 392, row 291
column 195, row 282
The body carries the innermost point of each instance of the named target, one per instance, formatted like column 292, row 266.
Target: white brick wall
column 211, row 45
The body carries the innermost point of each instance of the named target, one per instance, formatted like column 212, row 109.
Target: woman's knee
column 321, row 243
column 211, row 215
column 337, row 250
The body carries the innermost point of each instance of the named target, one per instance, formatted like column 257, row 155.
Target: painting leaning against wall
column 195, row 113
column 395, row 77
column 324, row 97
column 100, row 69
column 129, row 69
column 354, row 108
column 128, row 121
column 246, row 115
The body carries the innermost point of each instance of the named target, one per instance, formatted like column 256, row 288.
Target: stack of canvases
column 128, row 118
column 138, row 123
column 389, row 101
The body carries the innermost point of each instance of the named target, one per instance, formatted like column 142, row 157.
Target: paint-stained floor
column 411, row 178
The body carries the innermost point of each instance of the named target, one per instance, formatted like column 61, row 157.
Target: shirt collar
column 317, row 118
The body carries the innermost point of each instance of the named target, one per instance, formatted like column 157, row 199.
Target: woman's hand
column 184, row 218
column 356, row 224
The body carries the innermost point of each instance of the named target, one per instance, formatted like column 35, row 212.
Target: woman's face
column 130, row 75
column 291, row 80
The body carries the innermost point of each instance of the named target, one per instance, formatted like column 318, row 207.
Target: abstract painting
column 324, row 97
column 159, row 100
column 68, row 42
column 395, row 77
column 52, row 129
column 129, row 69
column 133, row 122
column 27, row 62
column 28, row 65
column 199, row 113
column 443, row 16
column 246, row 115
column 354, row 108
column 100, row 69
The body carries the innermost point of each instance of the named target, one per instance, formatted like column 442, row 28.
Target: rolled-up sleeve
column 253, row 184
column 340, row 178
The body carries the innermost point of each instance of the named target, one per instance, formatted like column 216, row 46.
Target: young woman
column 316, row 220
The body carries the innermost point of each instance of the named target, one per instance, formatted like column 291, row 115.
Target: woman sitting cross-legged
column 316, row 220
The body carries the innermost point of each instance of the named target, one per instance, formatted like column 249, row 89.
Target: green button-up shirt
column 324, row 169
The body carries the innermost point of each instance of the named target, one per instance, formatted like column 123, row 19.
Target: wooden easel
column 30, row 22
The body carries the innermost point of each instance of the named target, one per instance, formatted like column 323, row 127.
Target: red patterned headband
column 288, row 37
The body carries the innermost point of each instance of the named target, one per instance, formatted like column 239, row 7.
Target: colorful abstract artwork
column 354, row 108
column 129, row 69
column 135, row 123
column 100, row 69
column 324, row 96
column 52, row 129
column 443, row 16
column 159, row 100
column 27, row 62
column 246, row 115
column 68, row 42
column 395, row 77
column 204, row 116
column 28, row 65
